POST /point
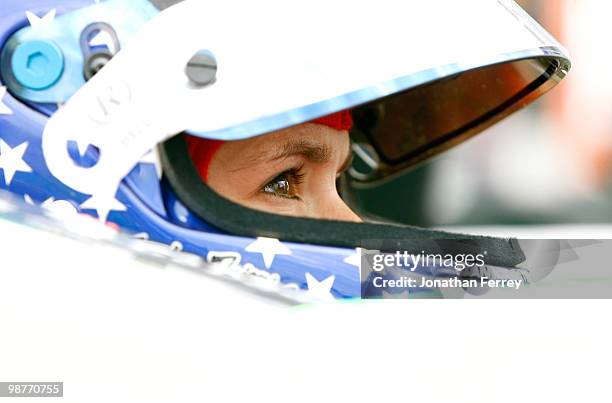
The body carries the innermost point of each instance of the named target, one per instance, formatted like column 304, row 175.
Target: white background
column 115, row 329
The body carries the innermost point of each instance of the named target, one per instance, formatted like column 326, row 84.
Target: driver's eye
column 279, row 185
column 284, row 185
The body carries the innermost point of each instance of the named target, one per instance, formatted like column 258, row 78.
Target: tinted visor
column 395, row 133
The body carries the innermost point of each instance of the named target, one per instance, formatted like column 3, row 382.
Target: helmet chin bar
column 238, row 220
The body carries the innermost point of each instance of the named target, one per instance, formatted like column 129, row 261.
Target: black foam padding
column 239, row 220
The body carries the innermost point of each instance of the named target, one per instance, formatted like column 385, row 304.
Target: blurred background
column 550, row 163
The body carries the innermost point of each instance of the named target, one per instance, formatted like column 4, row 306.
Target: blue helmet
column 95, row 99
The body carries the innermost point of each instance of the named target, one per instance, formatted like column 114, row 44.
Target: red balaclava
column 203, row 150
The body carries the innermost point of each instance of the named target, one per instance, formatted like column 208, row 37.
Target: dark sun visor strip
column 235, row 219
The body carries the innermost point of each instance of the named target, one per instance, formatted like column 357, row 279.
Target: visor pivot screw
column 37, row 65
column 202, row 68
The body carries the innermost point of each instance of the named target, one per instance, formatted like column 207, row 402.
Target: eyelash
column 295, row 177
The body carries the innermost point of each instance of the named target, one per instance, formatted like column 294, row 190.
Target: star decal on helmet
column 354, row 259
column 269, row 248
column 103, row 204
column 11, row 160
column 320, row 290
column 36, row 21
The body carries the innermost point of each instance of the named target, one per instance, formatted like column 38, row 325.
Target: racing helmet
column 99, row 97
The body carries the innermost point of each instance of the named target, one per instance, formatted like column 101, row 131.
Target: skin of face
column 290, row 172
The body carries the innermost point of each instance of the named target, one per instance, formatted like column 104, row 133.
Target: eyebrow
column 312, row 151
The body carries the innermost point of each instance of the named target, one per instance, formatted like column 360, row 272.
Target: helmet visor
column 396, row 132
